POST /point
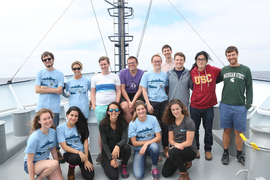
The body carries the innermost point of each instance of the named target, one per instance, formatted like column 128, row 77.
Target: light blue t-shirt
column 78, row 89
column 143, row 131
column 155, row 84
column 52, row 79
column 70, row 136
column 40, row 144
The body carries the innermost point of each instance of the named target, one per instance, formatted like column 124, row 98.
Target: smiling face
column 73, row 117
column 141, row 111
column 179, row 62
column 167, row 52
column 104, row 66
column 76, row 68
column 45, row 120
column 232, row 57
column 48, row 61
column 156, row 62
column 113, row 115
column 132, row 64
column 201, row 62
column 176, row 111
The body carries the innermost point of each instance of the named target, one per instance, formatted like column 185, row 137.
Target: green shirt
column 237, row 88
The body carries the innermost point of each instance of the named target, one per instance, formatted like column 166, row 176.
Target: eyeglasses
column 74, row 69
column 203, row 59
column 131, row 63
column 156, row 62
column 48, row 59
column 115, row 110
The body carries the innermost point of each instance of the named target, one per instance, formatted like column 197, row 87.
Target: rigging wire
column 41, row 41
column 100, row 31
column 144, row 28
column 196, row 32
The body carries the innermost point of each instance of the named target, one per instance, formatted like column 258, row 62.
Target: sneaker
column 155, row 174
column 208, row 156
column 124, row 172
column 225, row 158
column 198, row 154
column 60, row 157
column 241, row 160
column 99, row 159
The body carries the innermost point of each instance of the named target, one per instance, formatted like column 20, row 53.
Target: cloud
column 76, row 36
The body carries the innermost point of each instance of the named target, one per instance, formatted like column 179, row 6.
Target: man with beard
column 49, row 85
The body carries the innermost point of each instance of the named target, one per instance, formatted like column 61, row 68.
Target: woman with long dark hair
column 113, row 133
column 40, row 144
column 73, row 138
column 144, row 131
column 181, row 137
column 203, row 99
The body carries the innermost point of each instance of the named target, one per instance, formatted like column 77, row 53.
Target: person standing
column 130, row 89
column 169, row 62
column 153, row 85
column 78, row 86
column 237, row 97
column 49, row 85
column 203, row 99
column 105, row 88
column 179, row 80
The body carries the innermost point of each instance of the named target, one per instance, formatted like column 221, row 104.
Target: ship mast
column 121, row 38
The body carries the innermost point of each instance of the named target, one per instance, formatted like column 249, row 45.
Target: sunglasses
column 48, row 59
column 74, row 69
column 115, row 110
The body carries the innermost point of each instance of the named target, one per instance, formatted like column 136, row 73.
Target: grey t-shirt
column 180, row 131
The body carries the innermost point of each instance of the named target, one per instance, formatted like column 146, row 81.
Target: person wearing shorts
column 105, row 88
column 130, row 89
column 237, row 97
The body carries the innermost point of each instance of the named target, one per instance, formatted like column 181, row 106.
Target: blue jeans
column 139, row 161
column 207, row 116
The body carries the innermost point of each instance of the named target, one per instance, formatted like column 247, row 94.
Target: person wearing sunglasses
column 79, row 86
column 130, row 89
column 113, row 133
column 144, row 132
column 49, row 85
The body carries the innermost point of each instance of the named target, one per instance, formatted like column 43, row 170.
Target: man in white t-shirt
column 169, row 62
column 105, row 88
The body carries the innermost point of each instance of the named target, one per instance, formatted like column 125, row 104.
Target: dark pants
column 74, row 159
column 158, row 113
column 56, row 123
column 111, row 172
column 207, row 116
column 176, row 160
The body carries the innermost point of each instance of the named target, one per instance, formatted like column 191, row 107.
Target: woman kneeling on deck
column 144, row 131
column 113, row 133
column 181, row 137
column 73, row 138
column 41, row 142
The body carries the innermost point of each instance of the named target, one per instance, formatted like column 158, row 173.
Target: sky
column 75, row 37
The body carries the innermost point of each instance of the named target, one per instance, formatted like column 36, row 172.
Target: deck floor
column 200, row 170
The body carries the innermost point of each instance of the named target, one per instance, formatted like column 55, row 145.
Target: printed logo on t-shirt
column 183, row 130
column 73, row 139
column 77, row 89
column 47, row 146
column 233, row 75
column 49, row 82
column 145, row 134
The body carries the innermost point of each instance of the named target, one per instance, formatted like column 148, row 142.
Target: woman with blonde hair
column 40, row 144
column 78, row 87
column 181, row 137
column 144, row 131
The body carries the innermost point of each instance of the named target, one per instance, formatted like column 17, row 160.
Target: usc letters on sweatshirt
column 204, row 87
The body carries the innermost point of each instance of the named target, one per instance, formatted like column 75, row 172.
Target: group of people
column 140, row 109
